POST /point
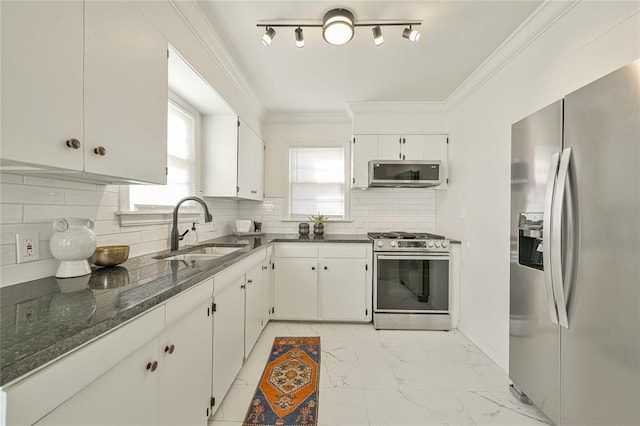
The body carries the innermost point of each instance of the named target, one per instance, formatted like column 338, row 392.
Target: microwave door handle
column 546, row 237
column 556, row 238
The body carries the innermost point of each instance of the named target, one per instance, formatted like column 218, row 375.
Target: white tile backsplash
column 31, row 203
column 379, row 209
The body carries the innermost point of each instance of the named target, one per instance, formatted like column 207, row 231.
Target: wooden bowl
column 109, row 255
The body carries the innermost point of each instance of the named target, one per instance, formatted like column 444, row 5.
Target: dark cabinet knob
column 100, row 150
column 325, row 268
column 249, row 281
column 73, row 143
column 313, row 268
column 152, row 366
column 169, row 349
column 242, row 286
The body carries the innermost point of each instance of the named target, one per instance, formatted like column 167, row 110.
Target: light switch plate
column 27, row 249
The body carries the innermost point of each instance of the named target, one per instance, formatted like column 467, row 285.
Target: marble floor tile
column 390, row 377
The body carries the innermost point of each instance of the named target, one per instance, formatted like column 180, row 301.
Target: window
column 182, row 127
column 316, row 182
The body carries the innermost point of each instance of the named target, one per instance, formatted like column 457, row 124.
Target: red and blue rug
column 287, row 394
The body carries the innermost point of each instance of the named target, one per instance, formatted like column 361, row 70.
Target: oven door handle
column 433, row 256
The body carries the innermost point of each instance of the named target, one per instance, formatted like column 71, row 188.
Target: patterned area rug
column 287, row 394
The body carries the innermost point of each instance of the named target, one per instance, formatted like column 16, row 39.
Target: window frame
column 287, row 183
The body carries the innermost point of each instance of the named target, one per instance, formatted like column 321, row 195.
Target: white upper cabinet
column 396, row 148
column 42, row 60
column 363, row 149
column 84, row 90
column 233, row 165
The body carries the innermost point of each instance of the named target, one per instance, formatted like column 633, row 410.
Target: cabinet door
column 343, row 289
column 185, row 351
column 363, row 149
column 413, row 147
column 253, row 307
column 220, row 155
column 125, row 97
column 42, row 82
column 296, row 289
column 126, row 394
column 228, row 337
column 250, row 164
column 389, row 147
column 267, row 290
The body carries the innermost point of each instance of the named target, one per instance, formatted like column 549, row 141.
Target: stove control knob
column 437, row 244
column 393, row 243
column 380, row 243
column 444, row 244
column 430, row 244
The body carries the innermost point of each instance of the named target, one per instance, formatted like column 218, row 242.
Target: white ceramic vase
column 72, row 244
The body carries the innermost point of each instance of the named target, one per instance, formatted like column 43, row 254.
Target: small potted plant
column 318, row 223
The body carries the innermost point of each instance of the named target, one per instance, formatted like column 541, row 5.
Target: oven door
column 411, row 283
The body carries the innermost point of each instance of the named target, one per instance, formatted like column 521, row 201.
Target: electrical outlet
column 26, row 314
column 213, row 226
column 360, row 223
column 27, row 249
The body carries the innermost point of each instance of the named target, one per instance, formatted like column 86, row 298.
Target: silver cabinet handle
column 254, row 192
column 546, row 236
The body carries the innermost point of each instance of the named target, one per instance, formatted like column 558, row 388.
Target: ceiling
column 457, row 36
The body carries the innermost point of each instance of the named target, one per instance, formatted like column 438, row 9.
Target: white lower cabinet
column 254, row 281
column 153, row 370
column 296, row 289
column 126, row 394
column 228, row 331
column 322, row 281
column 184, row 359
column 343, row 293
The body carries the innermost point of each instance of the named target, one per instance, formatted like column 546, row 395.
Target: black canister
column 303, row 228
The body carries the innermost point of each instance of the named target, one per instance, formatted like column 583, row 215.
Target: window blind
column 181, row 181
column 316, row 182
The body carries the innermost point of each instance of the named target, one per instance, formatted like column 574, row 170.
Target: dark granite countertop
column 63, row 314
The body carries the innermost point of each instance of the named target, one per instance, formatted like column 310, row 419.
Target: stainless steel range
column 411, row 281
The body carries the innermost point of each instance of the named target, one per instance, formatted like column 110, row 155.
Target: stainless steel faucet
column 175, row 237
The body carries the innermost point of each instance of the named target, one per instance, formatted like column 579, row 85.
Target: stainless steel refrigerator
column 574, row 338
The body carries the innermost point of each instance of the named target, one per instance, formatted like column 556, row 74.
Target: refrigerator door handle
column 556, row 238
column 546, row 236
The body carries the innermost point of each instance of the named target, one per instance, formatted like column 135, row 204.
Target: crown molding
column 283, row 117
column 396, row 108
column 533, row 27
column 195, row 19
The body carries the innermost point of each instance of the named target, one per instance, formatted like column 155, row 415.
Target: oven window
column 412, row 284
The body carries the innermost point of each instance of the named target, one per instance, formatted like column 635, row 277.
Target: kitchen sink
column 204, row 252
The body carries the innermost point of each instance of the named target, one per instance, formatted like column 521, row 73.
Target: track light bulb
column 268, row 36
column 299, row 37
column 377, row 35
column 337, row 26
column 411, row 34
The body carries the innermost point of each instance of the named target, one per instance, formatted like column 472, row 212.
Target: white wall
column 590, row 40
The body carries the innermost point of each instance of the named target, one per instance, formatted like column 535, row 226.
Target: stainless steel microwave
column 399, row 173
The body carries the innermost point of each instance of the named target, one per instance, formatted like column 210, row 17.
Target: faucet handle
column 181, row 236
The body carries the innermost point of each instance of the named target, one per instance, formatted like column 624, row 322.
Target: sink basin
column 204, row 253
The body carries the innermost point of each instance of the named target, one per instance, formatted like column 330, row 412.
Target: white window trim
column 161, row 214
column 347, row 175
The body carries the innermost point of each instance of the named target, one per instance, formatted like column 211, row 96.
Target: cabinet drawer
column 66, row 376
column 354, row 251
column 183, row 303
column 296, row 250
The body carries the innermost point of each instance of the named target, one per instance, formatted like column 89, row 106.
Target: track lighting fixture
column 377, row 35
column 338, row 28
column 411, row 34
column 269, row 34
column 299, row 37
